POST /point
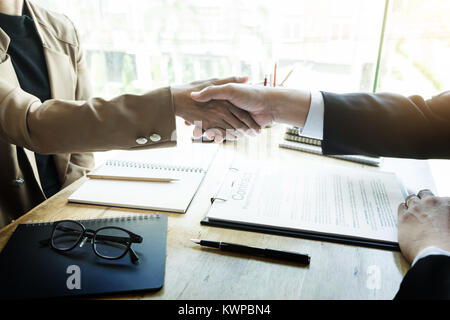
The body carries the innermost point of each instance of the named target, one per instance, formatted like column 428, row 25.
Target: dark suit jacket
column 394, row 126
column 428, row 279
column 386, row 124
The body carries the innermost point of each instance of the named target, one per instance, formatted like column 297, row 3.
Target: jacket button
column 18, row 181
column 141, row 140
column 155, row 137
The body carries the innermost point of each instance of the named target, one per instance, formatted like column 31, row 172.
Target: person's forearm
column 370, row 124
column 386, row 124
column 59, row 126
column 289, row 106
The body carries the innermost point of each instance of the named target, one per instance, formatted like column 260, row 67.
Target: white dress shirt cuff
column 430, row 251
column 314, row 121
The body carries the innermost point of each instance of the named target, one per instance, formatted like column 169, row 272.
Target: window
column 416, row 48
column 147, row 44
column 134, row 46
column 415, row 59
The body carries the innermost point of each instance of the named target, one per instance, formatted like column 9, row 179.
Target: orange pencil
column 275, row 76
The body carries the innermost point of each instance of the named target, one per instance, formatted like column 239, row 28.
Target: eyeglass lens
column 111, row 243
column 66, row 235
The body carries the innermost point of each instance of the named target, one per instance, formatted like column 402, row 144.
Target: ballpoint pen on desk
column 260, row 252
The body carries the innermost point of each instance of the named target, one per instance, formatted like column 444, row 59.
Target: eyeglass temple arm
column 133, row 256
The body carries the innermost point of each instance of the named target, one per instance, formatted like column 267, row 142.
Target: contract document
column 344, row 203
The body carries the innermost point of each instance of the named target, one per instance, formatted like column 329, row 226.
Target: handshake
column 230, row 109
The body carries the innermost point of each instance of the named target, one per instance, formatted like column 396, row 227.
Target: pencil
column 128, row 178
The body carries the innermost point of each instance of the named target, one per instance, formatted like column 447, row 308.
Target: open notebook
column 187, row 164
column 331, row 203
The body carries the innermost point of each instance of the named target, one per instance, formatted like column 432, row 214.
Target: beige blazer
column 71, row 124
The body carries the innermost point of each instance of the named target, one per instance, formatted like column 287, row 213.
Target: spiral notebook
column 187, row 166
column 293, row 139
column 29, row 270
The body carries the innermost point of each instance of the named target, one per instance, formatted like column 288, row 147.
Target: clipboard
column 299, row 234
column 223, row 195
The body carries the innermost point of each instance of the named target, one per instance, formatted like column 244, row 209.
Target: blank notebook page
column 187, row 164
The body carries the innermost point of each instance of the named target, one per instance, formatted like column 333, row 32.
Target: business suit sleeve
column 429, row 278
column 62, row 126
column 387, row 124
column 79, row 163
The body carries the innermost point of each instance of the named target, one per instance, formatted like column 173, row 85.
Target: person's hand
column 220, row 117
column 264, row 104
column 423, row 221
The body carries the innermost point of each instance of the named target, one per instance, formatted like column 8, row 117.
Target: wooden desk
column 336, row 271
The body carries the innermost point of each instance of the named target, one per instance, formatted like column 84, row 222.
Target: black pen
column 268, row 253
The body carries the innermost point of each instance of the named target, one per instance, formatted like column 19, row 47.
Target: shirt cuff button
column 155, row 137
column 141, row 140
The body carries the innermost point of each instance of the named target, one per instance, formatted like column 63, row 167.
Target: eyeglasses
column 110, row 243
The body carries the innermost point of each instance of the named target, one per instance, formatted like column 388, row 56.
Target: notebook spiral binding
column 302, row 139
column 135, row 217
column 146, row 165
